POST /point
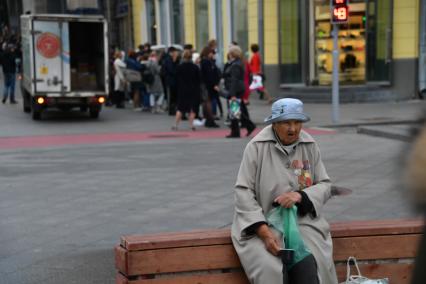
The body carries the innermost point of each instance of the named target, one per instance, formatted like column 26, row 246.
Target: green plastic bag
column 285, row 221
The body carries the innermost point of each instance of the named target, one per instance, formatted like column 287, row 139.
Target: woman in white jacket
column 120, row 83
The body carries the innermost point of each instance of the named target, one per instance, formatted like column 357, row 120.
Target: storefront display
column 351, row 41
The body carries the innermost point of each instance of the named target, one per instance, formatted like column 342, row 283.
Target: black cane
column 287, row 256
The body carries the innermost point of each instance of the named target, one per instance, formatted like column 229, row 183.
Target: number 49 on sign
column 339, row 11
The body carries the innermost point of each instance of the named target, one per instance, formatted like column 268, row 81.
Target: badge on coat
column 301, row 170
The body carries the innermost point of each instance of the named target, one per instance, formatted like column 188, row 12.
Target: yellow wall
column 405, row 29
column 271, row 31
column 189, row 18
column 253, row 36
column 138, row 7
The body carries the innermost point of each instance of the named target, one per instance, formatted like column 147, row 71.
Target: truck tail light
column 40, row 100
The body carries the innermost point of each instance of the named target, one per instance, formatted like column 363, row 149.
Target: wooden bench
column 383, row 248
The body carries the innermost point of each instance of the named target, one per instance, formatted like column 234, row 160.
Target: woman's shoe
column 174, row 128
column 250, row 131
column 232, row 136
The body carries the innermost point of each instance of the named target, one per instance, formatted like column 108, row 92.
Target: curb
column 384, row 122
column 384, row 134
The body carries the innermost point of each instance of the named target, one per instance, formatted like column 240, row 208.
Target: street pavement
column 70, row 186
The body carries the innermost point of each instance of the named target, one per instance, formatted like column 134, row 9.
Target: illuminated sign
column 339, row 11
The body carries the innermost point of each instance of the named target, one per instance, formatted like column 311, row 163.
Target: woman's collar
column 267, row 134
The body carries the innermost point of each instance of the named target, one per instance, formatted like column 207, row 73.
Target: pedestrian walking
column 188, row 89
column 210, row 84
column 8, row 62
column 256, row 70
column 233, row 75
column 282, row 167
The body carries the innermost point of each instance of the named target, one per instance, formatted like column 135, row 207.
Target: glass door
column 379, row 39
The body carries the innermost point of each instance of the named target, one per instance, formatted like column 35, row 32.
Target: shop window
column 201, row 23
column 351, row 43
column 240, row 24
column 289, row 27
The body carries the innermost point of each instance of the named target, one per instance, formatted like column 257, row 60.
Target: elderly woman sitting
column 282, row 166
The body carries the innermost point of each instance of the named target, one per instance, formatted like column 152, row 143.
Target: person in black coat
column 171, row 63
column 233, row 74
column 188, row 89
column 210, row 81
column 8, row 61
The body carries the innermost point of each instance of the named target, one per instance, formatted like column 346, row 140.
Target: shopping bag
column 235, row 109
column 285, row 221
column 359, row 279
column 256, row 83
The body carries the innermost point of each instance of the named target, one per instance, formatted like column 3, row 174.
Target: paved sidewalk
column 352, row 114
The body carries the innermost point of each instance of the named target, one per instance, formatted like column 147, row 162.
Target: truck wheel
column 36, row 112
column 26, row 102
column 36, row 115
column 94, row 113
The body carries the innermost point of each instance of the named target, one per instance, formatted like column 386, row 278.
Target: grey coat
column 154, row 68
column 267, row 171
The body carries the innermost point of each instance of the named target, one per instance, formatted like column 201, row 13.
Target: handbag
column 132, row 75
column 359, row 279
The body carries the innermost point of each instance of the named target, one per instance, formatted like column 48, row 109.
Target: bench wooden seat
column 384, row 248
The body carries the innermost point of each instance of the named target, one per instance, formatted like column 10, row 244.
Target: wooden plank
column 120, row 279
column 376, row 247
column 399, row 273
column 222, row 278
column 223, row 236
column 182, row 259
column 121, row 259
column 377, row 227
column 181, row 239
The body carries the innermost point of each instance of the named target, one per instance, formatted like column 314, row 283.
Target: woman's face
column 288, row 131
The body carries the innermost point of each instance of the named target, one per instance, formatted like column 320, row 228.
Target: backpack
column 148, row 76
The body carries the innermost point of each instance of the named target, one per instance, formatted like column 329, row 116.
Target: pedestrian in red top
column 256, row 69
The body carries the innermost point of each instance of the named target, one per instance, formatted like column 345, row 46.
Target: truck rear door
column 51, row 56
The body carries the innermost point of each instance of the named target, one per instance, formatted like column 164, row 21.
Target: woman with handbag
column 256, row 69
column 233, row 75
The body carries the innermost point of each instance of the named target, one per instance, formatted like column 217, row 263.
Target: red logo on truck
column 48, row 45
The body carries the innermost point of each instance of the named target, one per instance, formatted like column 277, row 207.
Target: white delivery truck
column 65, row 63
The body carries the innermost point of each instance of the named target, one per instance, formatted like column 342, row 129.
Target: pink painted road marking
column 27, row 142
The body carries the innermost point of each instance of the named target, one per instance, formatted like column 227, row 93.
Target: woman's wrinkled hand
column 271, row 242
column 288, row 199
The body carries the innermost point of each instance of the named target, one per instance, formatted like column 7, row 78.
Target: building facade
column 381, row 47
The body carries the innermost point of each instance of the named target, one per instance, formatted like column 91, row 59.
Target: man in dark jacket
column 8, row 61
column 170, row 66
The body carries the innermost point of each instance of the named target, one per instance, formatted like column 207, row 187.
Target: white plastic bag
column 359, row 279
column 256, row 83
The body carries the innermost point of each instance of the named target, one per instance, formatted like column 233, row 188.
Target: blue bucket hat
column 287, row 109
